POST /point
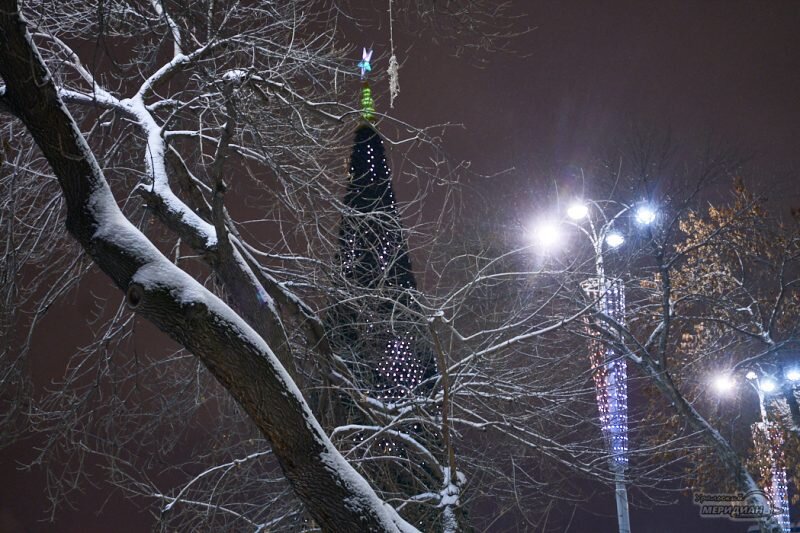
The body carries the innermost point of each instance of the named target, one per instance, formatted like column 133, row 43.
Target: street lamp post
column 768, row 437
column 610, row 372
column 768, row 441
column 609, row 369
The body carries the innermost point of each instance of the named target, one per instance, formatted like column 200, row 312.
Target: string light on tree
column 645, row 215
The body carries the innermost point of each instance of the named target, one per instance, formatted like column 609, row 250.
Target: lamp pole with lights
column 768, row 440
column 609, row 370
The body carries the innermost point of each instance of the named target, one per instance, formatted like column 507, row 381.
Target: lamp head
column 645, row 215
column 578, row 211
column 547, row 234
column 768, row 385
column 723, row 383
column 614, row 239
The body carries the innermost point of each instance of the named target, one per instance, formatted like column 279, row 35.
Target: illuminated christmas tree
column 376, row 332
column 374, row 256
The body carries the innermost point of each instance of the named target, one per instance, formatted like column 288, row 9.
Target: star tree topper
column 364, row 64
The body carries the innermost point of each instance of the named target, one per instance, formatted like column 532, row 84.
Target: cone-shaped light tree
column 378, row 332
column 374, row 256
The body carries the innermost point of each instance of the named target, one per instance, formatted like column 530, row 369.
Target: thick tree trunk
column 336, row 496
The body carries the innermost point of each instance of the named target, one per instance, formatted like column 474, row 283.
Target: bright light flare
column 578, row 211
column 723, row 384
column 768, row 385
column 793, row 374
column 547, row 235
column 615, row 239
column 751, row 375
column 645, row 215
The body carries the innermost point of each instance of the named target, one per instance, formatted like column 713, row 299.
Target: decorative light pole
column 767, row 441
column 609, row 370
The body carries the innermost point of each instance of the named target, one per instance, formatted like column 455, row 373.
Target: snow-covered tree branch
column 336, row 496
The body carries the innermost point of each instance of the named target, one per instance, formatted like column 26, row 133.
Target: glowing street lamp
column 614, row 239
column 547, row 234
column 767, row 385
column 610, row 370
column 724, row 383
column 645, row 215
column 578, row 211
column 768, row 440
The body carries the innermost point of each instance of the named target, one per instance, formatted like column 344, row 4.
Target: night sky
column 590, row 71
column 585, row 74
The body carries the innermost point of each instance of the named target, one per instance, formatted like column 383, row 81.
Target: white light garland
column 373, row 255
column 768, row 443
